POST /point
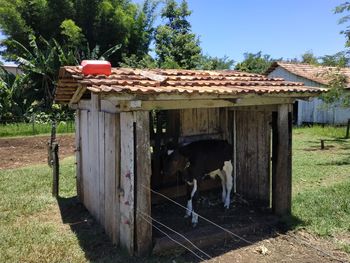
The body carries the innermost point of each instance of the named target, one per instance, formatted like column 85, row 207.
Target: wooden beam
column 143, row 230
column 282, row 161
column 78, row 94
column 196, row 96
column 112, row 105
column 171, row 105
column 127, row 181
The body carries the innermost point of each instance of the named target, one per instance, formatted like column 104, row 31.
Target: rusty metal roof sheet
column 171, row 81
column 319, row 74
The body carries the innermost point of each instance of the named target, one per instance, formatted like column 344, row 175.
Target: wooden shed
column 124, row 119
column 314, row 110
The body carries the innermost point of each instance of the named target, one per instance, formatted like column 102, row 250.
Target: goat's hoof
column 194, row 225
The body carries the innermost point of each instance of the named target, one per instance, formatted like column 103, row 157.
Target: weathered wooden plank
column 112, row 149
column 78, row 159
column 282, row 174
column 136, row 105
column 187, row 122
column 85, row 162
column 127, row 181
column 213, row 122
column 223, row 118
column 202, row 121
column 101, row 144
column 265, row 159
column 143, row 230
column 94, row 157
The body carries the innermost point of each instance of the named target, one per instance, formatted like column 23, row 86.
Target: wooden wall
column 253, row 142
column 98, row 168
column 114, row 171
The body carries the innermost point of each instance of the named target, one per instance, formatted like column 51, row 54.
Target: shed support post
column 282, row 160
column 127, row 181
column 143, row 230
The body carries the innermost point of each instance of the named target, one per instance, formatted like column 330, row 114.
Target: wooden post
column 322, row 144
column 348, row 130
column 143, row 230
column 127, row 181
column 282, row 161
column 55, row 170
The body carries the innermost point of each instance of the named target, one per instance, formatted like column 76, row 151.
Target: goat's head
column 174, row 162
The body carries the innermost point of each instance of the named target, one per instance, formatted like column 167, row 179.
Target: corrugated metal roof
column 170, row 81
column 319, row 74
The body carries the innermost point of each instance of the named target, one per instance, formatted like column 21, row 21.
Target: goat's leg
column 222, row 176
column 189, row 187
column 194, row 204
column 228, row 168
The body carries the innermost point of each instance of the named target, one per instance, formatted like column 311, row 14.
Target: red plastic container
column 96, row 67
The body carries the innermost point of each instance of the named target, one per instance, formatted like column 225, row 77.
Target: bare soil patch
column 24, row 151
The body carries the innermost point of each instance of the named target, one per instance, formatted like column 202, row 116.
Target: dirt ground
column 24, row 151
column 268, row 245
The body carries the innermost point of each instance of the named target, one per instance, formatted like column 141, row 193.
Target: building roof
column 170, row 81
column 319, row 74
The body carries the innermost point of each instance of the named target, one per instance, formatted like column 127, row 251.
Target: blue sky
column 281, row 28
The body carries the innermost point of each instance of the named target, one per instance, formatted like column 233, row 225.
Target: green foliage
column 336, row 94
column 215, row 63
column 255, row 63
column 344, row 8
column 72, row 32
column 134, row 62
column 176, row 45
column 79, row 24
column 309, row 58
column 340, row 59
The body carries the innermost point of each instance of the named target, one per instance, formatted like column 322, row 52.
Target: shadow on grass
column 98, row 247
column 92, row 238
column 344, row 161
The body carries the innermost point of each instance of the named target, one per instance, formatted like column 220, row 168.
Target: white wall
column 315, row 110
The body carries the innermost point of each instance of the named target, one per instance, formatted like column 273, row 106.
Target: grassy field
column 34, row 227
column 25, row 129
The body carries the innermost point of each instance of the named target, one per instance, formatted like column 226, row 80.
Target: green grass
column 34, row 227
column 321, row 182
column 25, row 129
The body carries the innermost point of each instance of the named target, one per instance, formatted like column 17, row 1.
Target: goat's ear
column 170, row 152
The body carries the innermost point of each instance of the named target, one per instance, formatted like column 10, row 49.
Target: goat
column 196, row 160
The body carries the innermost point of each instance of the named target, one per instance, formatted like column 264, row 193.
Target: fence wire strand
column 179, row 234
column 200, row 216
column 177, row 242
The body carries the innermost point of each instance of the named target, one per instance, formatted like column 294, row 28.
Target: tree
column 176, row 45
column 336, row 94
column 309, row 58
column 255, row 63
column 215, row 63
column 339, row 59
column 80, row 23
